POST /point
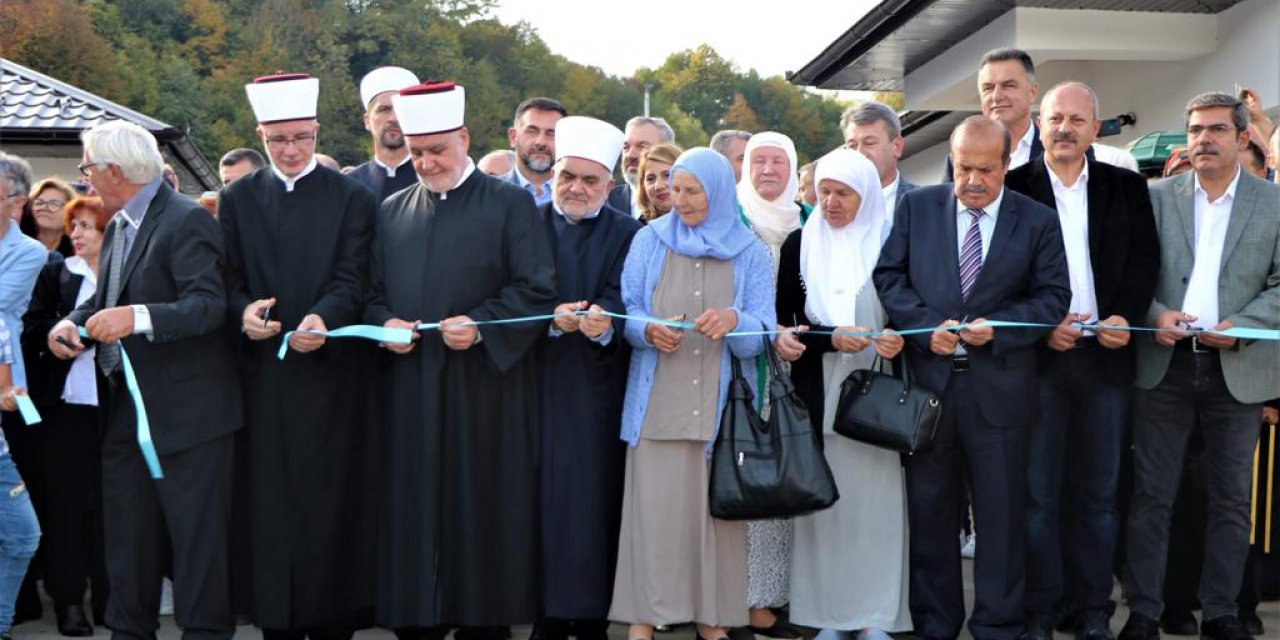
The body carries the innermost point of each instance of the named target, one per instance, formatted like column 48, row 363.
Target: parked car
column 1153, row 149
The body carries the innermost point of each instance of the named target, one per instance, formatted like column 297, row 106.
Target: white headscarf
column 837, row 263
column 772, row 220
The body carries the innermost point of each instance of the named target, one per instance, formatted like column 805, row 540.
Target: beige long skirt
column 675, row 562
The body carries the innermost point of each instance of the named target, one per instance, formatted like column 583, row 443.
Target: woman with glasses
column 44, row 223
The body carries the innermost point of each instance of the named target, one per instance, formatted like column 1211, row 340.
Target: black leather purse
column 882, row 410
column 768, row 469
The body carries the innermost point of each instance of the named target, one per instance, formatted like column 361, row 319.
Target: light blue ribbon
column 429, row 326
column 28, row 409
column 140, row 410
column 388, row 335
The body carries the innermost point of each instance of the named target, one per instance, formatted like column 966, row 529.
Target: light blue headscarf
column 722, row 235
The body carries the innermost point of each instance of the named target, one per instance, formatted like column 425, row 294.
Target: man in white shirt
column 533, row 138
column 1007, row 88
column 1113, row 257
column 1220, row 248
column 873, row 130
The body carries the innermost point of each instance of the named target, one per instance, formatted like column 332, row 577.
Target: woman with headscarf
column 700, row 264
column 853, row 556
column 768, row 190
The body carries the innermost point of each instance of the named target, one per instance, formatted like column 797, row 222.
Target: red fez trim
column 427, row 87
column 288, row 120
column 281, row 77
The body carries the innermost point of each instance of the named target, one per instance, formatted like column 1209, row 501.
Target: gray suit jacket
column 1248, row 287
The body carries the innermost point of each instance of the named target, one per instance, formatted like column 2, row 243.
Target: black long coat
column 583, row 384
column 460, row 533
column 311, row 425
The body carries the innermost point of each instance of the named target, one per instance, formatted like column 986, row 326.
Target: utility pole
column 647, row 88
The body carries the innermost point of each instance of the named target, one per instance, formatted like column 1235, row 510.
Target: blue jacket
column 753, row 284
column 21, row 259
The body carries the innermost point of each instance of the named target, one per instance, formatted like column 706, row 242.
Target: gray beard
column 536, row 166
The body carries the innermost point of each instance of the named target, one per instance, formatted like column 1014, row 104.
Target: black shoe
column 1179, row 623
column 1140, row 627
column 26, row 612
column 1093, row 625
column 1068, row 623
column 1224, row 628
column 1252, row 623
column 1039, row 627
column 779, row 629
column 547, row 629
column 71, row 621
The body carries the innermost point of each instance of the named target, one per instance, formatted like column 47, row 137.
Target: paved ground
column 46, row 629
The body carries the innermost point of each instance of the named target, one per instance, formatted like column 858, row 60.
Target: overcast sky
column 619, row 37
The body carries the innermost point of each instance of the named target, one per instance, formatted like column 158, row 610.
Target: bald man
column 959, row 255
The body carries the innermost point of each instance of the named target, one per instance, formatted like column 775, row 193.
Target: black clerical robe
column 310, row 484
column 374, row 176
column 460, row 525
column 583, row 383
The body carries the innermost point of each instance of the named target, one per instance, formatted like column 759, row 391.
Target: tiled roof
column 31, row 100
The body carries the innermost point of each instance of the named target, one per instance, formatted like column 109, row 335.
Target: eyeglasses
column 83, row 167
column 10, row 196
column 284, row 141
column 55, row 205
column 1215, row 130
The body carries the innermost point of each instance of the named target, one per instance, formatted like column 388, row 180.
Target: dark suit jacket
column 184, row 370
column 1124, row 249
column 620, row 198
column 53, row 298
column 1024, row 278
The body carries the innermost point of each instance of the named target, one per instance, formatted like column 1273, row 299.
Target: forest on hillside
column 185, row 62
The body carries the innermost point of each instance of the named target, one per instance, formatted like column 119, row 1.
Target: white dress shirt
column 1211, row 235
column 1021, row 153
column 391, row 171
column 1073, row 214
column 81, row 386
column 891, row 199
column 290, row 182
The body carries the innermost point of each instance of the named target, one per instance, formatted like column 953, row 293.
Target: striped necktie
column 971, row 253
column 109, row 353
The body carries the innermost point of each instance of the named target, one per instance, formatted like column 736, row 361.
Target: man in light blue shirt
column 533, row 138
column 21, row 257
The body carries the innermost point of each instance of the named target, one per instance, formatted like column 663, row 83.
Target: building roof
column 35, row 107
column 899, row 36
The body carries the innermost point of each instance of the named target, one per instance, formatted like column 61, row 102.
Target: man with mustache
column 1219, row 231
column 297, row 244
column 959, row 255
column 642, row 132
column 1080, row 431
column 533, row 137
column 583, row 372
column 459, row 543
column 389, row 170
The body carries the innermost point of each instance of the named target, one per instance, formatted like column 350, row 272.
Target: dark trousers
column 996, row 458
column 313, row 634
column 68, row 502
column 185, row 513
column 1072, row 475
column 1193, row 393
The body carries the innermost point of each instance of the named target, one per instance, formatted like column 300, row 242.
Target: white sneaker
column 970, row 545
column 166, row 598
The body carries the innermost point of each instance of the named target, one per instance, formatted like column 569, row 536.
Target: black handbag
column 768, row 469
column 882, row 410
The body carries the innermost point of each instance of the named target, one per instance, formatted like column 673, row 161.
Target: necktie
column 971, row 254
column 109, row 354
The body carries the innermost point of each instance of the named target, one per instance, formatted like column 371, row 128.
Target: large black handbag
column 768, row 469
column 882, row 410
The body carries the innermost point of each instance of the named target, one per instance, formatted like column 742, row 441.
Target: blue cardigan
column 753, row 284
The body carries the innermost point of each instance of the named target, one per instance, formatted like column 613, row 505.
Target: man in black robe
column 583, row 372
column 297, row 237
column 460, row 525
column 389, row 170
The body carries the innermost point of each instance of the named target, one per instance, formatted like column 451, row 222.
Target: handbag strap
column 775, row 367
